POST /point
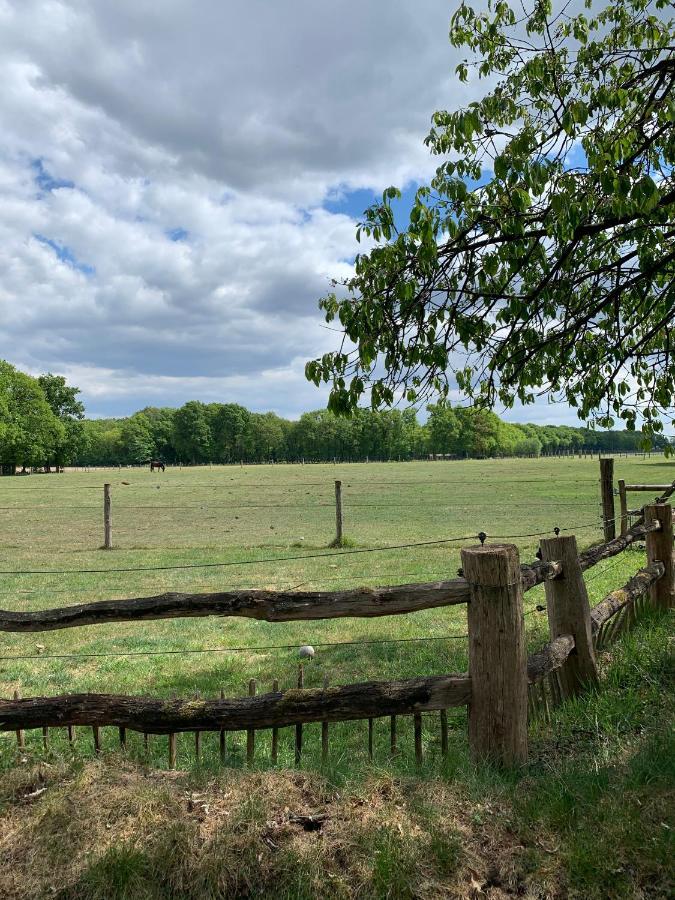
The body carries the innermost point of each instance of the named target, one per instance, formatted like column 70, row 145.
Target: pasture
column 271, row 527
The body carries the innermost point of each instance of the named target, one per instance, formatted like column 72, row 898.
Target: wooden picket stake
column 444, row 732
column 298, row 727
column 172, row 746
column 543, row 700
column 250, row 732
column 222, row 742
column 392, row 735
column 20, row 734
column 417, row 725
column 324, row 731
column 275, row 731
column 198, row 737
column 497, row 658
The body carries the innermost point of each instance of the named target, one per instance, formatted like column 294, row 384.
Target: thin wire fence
column 293, row 558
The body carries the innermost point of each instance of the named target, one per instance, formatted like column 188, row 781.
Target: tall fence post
column 107, row 518
column 497, row 659
column 338, row 513
column 607, row 493
column 569, row 612
column 623, row 503
column 660, row 547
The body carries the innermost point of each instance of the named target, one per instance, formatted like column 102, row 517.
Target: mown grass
column 589, row 817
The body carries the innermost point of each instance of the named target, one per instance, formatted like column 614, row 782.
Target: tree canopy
column 62, row 399
column 541, row 257
column 29, row 430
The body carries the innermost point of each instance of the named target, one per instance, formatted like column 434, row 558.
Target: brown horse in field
column 157, row 464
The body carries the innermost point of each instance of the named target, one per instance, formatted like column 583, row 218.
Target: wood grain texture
column 660, row 549
column 569, row 612
column 270, row 606
column 497, row 661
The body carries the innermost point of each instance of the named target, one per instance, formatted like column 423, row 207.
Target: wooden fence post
column 569, row 612
column 338, row 513
column 623, row 503
column 660, row 547
column 497, row 660
column 107, row 518
column 607, row 493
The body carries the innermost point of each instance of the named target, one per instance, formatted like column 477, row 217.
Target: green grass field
column 251, row 518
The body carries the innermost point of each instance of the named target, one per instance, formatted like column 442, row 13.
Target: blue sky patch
column 65, row 254
column 46, row 182
column 353, row 204
column 177, row 234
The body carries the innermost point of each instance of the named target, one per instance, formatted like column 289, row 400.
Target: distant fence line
column 339, row 506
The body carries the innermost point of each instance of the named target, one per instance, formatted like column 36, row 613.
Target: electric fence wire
column 258, row 649
column 277, row 559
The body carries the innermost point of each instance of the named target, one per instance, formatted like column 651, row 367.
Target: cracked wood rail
column 634, row 588
column 163, row 716
column 271, row 606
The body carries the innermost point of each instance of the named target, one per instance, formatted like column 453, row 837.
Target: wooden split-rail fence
column 502, row 689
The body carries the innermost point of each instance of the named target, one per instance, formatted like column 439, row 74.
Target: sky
column 180, row 181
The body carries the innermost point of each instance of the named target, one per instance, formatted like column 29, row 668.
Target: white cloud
column 224, row 126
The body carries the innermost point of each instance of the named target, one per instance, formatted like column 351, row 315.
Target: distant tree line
column 42, row 424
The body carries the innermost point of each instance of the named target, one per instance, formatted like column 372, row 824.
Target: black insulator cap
column 481, row 537
column 556, row 531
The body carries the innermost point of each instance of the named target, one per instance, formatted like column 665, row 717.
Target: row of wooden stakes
column 251, row 733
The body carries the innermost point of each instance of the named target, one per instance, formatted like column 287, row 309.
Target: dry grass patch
column 113, row 829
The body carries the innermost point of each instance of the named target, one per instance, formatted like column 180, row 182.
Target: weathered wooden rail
column 270, row 606
column 273, row 710
column 502, row 689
